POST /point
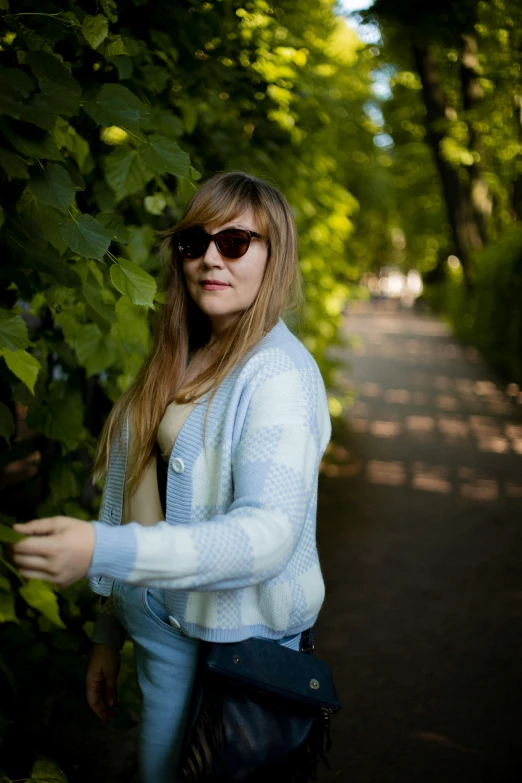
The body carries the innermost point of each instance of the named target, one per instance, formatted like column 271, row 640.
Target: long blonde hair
column 181, row 327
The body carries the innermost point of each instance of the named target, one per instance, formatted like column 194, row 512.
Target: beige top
column 144, row 506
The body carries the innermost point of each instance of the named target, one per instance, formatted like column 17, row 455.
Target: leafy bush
column 108, row 120
column 490, row 315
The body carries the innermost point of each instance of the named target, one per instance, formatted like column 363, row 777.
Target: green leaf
column 129, row 279
column 39, row 594
column 7, row 614
column 95, row 29
column 60, row 416
column 164, row 155
column 49, row 263
column 17, row 79
column 13, row 165
column 24, row 366
column 13, row 331
column 10, row 536
column 113, row 222
column 49, row 70
column 47, row 219
column 141, row 242
column 110, row 9
column 40, row 113
column 66, row 136
column 93, row 298
column 63, row 482
column 30, row 140
column 116, row 105
column 155, row 205
column 125, row 172
column 116, row 47
column 93, row 350
column 55, row 187
column 7, row 425
column 166, row 123
column 86, row 237
column 47, row 771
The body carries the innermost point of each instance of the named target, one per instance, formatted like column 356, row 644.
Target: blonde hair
column 181, row 327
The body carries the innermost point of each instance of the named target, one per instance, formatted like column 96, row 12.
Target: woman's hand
column 101, row 680
column 59, row 549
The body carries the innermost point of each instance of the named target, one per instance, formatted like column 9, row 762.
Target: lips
column 213, row 285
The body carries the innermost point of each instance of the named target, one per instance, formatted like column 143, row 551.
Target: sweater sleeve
column 107, row 628
column 275, row 470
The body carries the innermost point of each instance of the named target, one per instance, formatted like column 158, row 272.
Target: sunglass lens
column 233, row 243
column 192, row 243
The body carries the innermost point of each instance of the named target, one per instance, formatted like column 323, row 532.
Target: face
column 242, row 276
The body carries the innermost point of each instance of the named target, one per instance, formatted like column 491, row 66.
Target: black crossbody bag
column 259, row 711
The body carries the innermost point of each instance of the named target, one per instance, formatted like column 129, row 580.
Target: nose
column 212, row 256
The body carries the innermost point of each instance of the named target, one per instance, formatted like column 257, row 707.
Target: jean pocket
column 158, row 614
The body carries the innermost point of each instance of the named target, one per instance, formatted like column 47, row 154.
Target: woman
column 207, row 523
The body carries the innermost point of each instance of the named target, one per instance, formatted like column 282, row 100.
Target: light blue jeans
column 166, row 661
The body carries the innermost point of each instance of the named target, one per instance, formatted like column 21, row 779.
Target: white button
column 174, row 622
column 178, row 465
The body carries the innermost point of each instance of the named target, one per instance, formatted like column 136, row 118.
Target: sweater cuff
column 108, row 630
column 115, row 548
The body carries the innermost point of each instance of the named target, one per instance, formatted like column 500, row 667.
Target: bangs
column 224, row 202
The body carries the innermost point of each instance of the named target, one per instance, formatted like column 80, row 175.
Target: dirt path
column 420, row 533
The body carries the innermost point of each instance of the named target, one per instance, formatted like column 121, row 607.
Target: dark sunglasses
column 231, row 242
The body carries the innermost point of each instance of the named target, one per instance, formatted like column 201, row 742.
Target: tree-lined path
column 420, row 532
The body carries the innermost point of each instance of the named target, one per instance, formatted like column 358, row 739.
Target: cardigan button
column 178, row 465
column 174, row 623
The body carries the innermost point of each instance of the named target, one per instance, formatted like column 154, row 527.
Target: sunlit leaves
column 46, row 771
column 13, row 331
column 39, row 595
column 8, row 535
column 129, row 279
column 94, row 351
column 22, row 364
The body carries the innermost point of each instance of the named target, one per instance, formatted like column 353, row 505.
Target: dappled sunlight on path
column 420, row 535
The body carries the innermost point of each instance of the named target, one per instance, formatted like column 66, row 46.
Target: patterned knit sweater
column 237, row 553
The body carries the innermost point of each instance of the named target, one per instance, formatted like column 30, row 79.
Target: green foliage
column 109, row 117
column 490, row 316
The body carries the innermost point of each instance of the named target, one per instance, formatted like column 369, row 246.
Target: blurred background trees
column 402, row 152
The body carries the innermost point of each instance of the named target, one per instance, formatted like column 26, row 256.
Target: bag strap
column 307, row 642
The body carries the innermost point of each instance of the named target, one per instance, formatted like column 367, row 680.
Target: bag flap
column 266, row 666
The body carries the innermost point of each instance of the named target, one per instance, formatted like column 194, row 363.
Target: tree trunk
column 517, row 183
column 461, row 213
column 472, row 94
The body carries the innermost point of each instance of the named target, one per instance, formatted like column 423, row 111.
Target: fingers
column 40, row 547
column 39, row 526
column 100, row 703
column 32, row 563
